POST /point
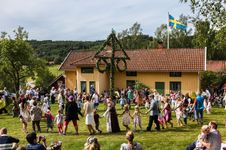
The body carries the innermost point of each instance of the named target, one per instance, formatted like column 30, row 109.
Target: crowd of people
column 33, row 104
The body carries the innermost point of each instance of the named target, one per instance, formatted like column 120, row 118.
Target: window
column 83, row 86
column 160, row 87
column 91, row 86
column 87, row 69
column 131, row 73
column 175, row 74
column 130, row 83
column 175, row 86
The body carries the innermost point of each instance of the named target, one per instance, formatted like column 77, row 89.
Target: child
column 161, row 120
column 208, row 107
column 167, row 112
column 96, row 120
column 59, row 121
column 179, row 113
column 202, row 137
column 147, row 103
column 122, row 101
column 137, row 118
column 45, row 106
column 126, row 117
column 49, row 120
column 46, row 99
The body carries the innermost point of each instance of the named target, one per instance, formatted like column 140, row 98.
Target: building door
column 83, row 86
column 160, row 87
column 130, row 83
column 92, row 87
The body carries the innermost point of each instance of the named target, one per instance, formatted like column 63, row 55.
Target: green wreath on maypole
column 98, row 64
column 124, row 65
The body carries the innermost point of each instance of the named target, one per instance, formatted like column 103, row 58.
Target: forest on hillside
column 56, row 51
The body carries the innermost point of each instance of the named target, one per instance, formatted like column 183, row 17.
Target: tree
column 214, row 40
column 43, row 75
column 213, row 80
column 219, row 44
column 203, row 37
column 208, row 78
column 18, row 60
column 133, row 38
column 161, row 35
column 212, row 11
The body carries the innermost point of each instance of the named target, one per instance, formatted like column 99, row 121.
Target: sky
column 85, row 20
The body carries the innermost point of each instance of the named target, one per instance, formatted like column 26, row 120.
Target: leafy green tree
column 203, row 37
column 43, row 76
column 133, row 38
column 160, row 35
column 214, row 40
column 17, row 57
column 209, row 21
column 18, row 60
column 219, row 44
column 221, row 77
column 5, row 81
column 213, row 11
column 208, row 78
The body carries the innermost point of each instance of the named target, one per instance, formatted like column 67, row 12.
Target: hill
column 55, row 51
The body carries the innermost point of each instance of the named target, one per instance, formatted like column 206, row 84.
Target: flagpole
column 168, row 32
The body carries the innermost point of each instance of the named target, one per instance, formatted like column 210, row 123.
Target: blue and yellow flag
column 176, row 24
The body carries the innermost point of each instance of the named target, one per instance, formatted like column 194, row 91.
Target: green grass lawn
column 176, row 138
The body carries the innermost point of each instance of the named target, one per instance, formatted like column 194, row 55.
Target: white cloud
column 85, row 19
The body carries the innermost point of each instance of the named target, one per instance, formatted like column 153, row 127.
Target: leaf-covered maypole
column 111, row 57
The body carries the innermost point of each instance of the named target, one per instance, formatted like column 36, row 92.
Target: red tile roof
column 146, row 60
column 216, row 65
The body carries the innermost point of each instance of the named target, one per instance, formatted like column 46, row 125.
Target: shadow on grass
column 176, row 129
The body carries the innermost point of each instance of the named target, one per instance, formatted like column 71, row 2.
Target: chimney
column 160, row 45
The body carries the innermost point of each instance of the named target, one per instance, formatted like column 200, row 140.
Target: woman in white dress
column 88, row 113
column 111, row 117
column 108, row 116
column 24, row 115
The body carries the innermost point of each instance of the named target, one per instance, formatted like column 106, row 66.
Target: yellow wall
column 101, row 80
column 70, row 79
column 189, row 81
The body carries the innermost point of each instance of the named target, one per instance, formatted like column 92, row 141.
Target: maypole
column 108, row 61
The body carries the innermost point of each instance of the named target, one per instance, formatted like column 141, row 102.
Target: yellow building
column 160, row 69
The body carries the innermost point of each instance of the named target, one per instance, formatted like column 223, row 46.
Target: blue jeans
column 191, row 146
column 199, row 114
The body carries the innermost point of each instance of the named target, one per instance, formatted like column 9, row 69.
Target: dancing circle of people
column 33, row 103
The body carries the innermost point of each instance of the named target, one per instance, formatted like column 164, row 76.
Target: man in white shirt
column 95, row 99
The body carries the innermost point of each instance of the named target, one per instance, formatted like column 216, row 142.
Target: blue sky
column 85, row 19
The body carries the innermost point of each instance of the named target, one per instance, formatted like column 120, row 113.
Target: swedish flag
column 176, row 24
